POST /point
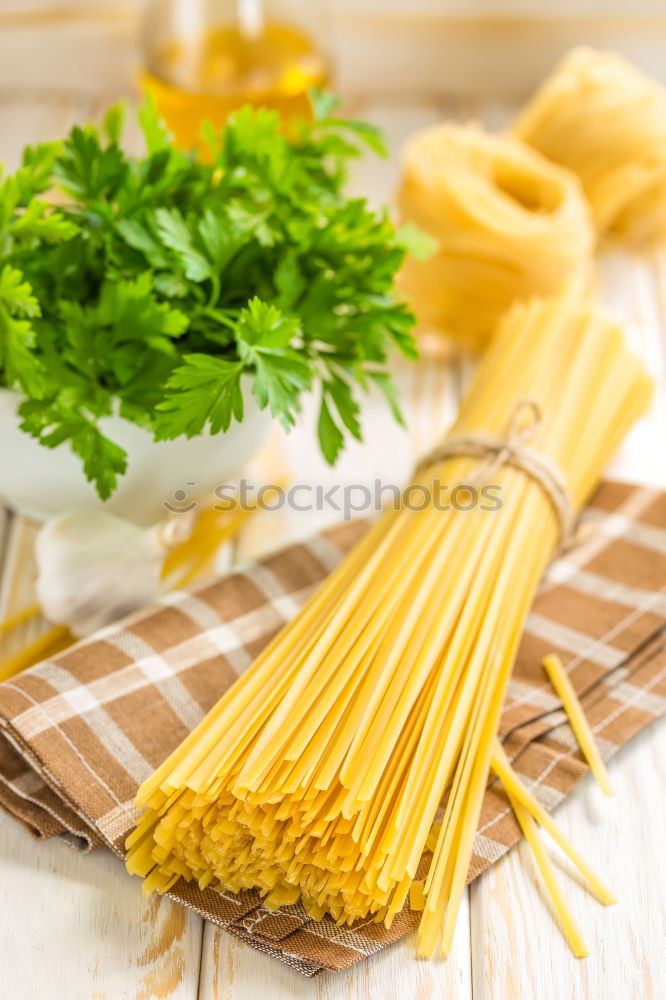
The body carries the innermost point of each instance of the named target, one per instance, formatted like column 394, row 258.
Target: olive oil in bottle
column 202, row 74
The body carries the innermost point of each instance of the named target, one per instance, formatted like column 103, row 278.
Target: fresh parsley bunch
column 158, row 281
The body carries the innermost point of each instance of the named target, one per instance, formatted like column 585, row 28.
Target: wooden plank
column 630, row 289
column 22, row 10
column 65, row 50
column 17, row 587
column 77, row 926
column 502, row 55
column 21, row 121
column 517, row 949
column 233, row 971
column 5, row 520
column 33, row 118
column 86, row 9
column 658, row 262
column 376, row 49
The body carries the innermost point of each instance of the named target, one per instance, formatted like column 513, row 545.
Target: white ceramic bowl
column 40, row 482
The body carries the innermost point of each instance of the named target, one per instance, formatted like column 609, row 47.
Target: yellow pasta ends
column 578, row 721
column 569, row 926
column 518, row 791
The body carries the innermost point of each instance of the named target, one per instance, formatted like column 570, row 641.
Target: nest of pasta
column 605, row 120
column 507, row 223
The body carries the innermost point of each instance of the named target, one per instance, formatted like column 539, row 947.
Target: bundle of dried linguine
column 366, row 730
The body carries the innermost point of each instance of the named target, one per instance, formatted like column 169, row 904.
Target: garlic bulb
column 93, row 567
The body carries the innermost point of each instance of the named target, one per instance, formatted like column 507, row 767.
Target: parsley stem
column 215, row 290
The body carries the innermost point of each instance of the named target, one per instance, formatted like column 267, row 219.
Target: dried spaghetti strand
column 19, row 618
column 578, row 721
column 54, row 641
column 518, row 790
column 567, row 922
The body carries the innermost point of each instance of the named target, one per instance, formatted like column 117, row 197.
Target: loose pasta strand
column 578, row 721
column 569, row 926
column 516, row 788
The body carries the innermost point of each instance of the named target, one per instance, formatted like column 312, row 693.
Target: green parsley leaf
column 176, row 234
column 114, row 122
column 138, row 236
column 385, row 383
column 331, row 438
column 40, row 221
column 16, row 294
column 155, row 133
column 282, row 373
column 262, row 325
column 323, row 103
column 416, row 242
column 17, row 338
column 55, row 422
column 204, row 390
column 342, row 397
column 103, row 460
column 88, row 171
column 370, row 134
column 36, row 171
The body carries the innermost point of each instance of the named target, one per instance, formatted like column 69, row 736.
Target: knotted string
column 512, row 449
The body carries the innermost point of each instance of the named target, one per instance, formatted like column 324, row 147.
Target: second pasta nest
column 518, row 215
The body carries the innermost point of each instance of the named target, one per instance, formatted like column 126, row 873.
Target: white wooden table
column 83, row 930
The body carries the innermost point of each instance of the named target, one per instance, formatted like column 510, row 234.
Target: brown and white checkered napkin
column 78, row 734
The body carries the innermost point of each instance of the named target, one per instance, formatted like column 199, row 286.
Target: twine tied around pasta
column 513, row 449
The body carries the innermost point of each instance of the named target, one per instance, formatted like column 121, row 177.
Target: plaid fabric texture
column 79, row 733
